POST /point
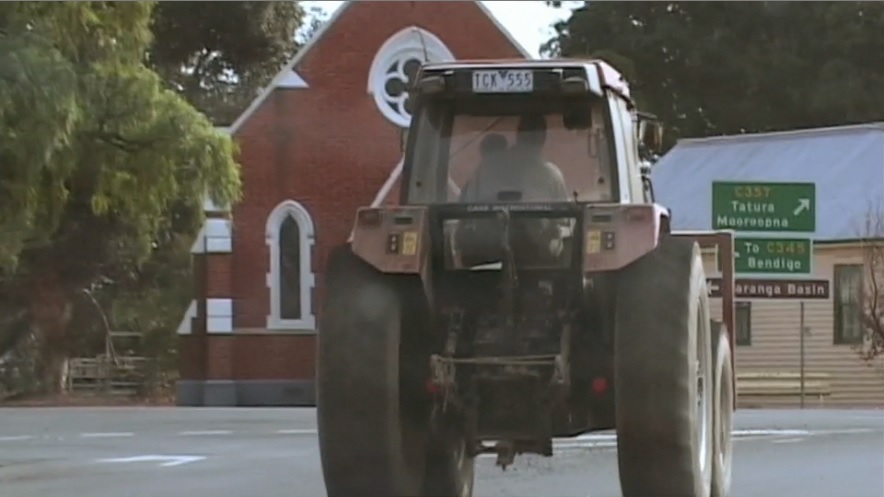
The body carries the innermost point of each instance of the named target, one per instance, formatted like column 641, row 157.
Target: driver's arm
column 468, row 192
column 556, row 188
column 557, row 191
column 453, row 190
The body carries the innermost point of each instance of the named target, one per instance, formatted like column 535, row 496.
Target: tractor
column 525, row 288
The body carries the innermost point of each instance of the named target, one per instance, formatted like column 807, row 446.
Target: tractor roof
column 596, row 69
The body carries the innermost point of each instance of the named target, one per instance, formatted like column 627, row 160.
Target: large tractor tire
column 663, row 385
column 450, row 468
column 372, row 439
column 723, row 403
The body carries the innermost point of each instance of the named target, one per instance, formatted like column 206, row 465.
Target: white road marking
column 167, row 461
column 846, row 431
column 597, row 439
column 595, row 436
column 298, row 432
column 788, row 440
column 15, row 438
column 587, row 436
column 204, row 433
column 609, row 440
column 107, row 435
column 584, row 445
column 769, row 433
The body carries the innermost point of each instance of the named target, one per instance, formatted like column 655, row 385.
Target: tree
column 152, row 299
column 39, row 110
column 219, row 54
column 200, row 49
column 873, row 289
column 734, row 67
column 93, row 177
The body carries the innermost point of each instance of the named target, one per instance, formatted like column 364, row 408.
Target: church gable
column 377, row 45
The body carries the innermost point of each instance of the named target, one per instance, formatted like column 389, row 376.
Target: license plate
column 506, row 81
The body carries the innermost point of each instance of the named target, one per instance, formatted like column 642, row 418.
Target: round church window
column 398, row 77
column 395, row 67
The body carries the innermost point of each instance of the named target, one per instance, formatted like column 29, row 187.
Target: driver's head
column 531, row 131
column 493, row 143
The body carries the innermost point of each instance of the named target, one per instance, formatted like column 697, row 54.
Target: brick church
column 319, row 141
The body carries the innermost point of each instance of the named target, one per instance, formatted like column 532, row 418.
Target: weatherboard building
column 798, row 202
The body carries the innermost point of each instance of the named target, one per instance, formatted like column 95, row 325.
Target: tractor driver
column 519, row 170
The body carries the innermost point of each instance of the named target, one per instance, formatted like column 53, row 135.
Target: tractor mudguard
column 392, row 239
column 619, row 234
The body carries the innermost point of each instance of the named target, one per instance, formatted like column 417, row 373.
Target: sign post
column 772, row 208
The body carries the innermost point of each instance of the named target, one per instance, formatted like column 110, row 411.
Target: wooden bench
column 86, row 373
column 784, row 384
column 128, row 375
column 101, row 374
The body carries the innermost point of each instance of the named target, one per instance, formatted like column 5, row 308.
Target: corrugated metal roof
column 846, row 163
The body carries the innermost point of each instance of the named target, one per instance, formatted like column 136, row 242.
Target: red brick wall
column 274, row 356
column 190, row 357
column 220, row 275
column 220, row 350
column 329, row 148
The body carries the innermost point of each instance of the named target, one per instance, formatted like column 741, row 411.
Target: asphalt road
column 160, row 452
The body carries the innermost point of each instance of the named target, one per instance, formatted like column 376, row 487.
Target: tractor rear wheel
column 663, row 386
column 724, row 407
column 450, row 468
column 372, row 436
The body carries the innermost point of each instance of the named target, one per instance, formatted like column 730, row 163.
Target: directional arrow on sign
column 803, row 205
column 166, row 461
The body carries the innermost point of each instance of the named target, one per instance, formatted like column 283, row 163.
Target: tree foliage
column 219, row 54
column 709, row 68
column 102, row 165
column 38, row 109
column 204, row 54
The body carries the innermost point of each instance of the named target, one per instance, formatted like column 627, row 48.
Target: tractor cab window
column 492, row 149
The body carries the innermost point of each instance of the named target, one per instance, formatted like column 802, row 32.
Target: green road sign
column 773, row 255
column 744, row 206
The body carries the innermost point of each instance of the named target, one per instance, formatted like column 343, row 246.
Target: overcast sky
column 529, row 21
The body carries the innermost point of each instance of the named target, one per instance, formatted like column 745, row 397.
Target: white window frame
column 839, row 337
column 306, row 238
column 407, row 43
